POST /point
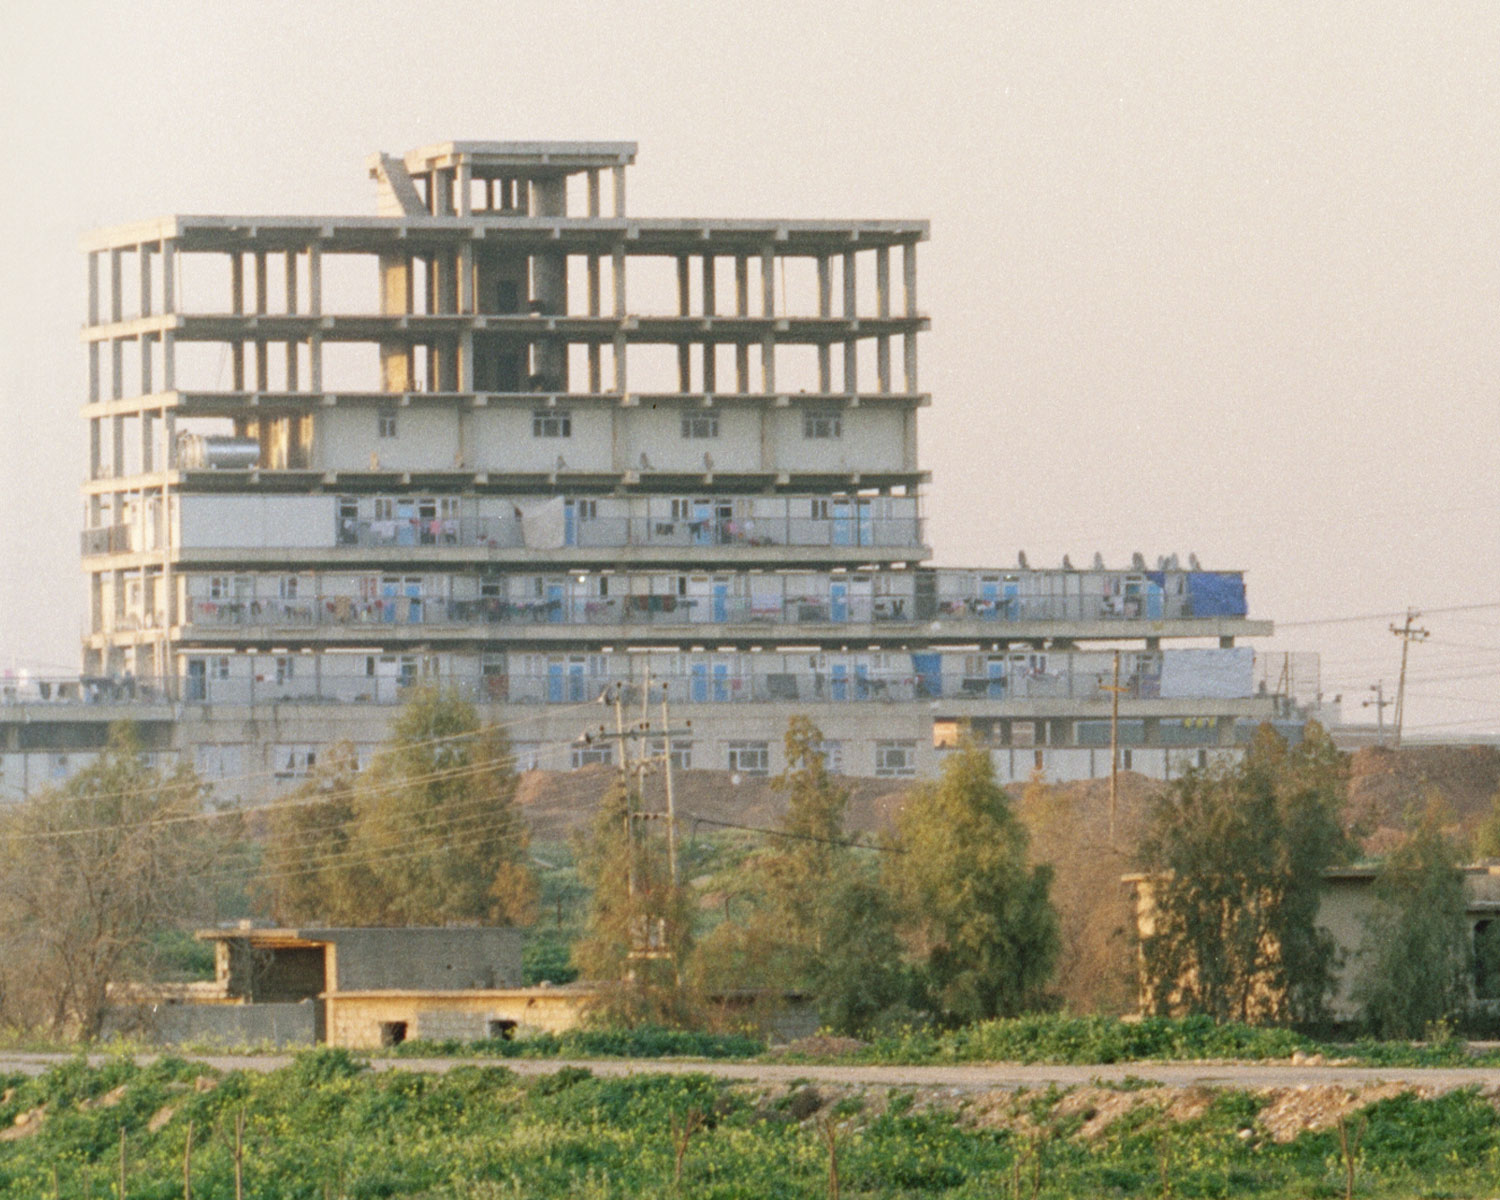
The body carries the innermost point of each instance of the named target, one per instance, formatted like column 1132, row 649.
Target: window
column 528, row 755
column 551, row 423
column 291, row 761
column 750, row 758
column 895, row 759
column 944, row 733
column 682, row 753
column 833, row 756
column 288, row 587
column 822, row 423
column 286, row 667
column 820, row 510
column 588, row 754
column 700, row 424
column 387, row 423
column 218, row 668
column 218, row 587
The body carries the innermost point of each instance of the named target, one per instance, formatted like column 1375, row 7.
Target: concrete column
column 117, row 446
column 825, row 310
column 260, row 281
column 93, row 287
column 466, row 278
column 148, row 457
column 910, row 364
column 292, row 372
column 767, row 282
column 291, row 281
column 168, row 361
column 596, row 368
column 620, row 380
column 710, row 306
column 96, row 449
column 116, row 286
column 851, row 313
column 909, row 276
column 315, row 280
column 95, row 382
column 262, row 365
column 168, row 276
column 883, row 309
column 442, row 193
column 116, row 368
column 684, row 304
column 768, row 362
column 143, row 258
column 169, row 444
column 618, row 265
column 146, row 342
column 619, row 191
column 237, row 365
column 466, row 361
column 593, row 284
column 742, row 309
column 593, row 177
column 315, row 362
column 236, row 282
column 463, row 180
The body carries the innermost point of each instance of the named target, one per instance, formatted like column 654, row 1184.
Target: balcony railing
column 635, row 611
column 619, row 532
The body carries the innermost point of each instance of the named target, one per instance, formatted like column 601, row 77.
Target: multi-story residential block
column 507, row 437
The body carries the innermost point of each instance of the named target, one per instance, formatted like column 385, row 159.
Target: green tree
column 91, row 873
column 640, row 925
column 1416, row 953
column 429, row 833
column 1487, row 837
column 815, row 920
column 1235, row 856
column 979, row 918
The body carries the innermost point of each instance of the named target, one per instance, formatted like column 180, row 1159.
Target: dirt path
column 979, row 1077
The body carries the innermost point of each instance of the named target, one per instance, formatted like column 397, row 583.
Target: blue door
column 577, row 684
column 570, row 523
column 839, row 681
column 1012, row 600
column 390, row 591
column 843, row 525
column 721, row 601
column 698, row 687
column 1153, row 601
column 861, row 681
column 866, row 524
column 406, row 523
column 703, row 523
column 721, row 683
column 554, row 683
column 557, row 602
column 989, row 599
column 838, row 601
column 996, row 673
column 414, row 601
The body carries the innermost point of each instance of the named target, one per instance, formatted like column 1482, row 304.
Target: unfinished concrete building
column 506, row 437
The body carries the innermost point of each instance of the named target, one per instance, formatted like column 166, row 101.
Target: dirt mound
column 1389, row 789
column 820, row 1046
column 558, row 802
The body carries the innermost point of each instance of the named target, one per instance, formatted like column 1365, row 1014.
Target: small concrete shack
column 1345, row 906
column 359, row 988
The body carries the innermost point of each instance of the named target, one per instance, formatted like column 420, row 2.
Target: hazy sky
column 1211, row 277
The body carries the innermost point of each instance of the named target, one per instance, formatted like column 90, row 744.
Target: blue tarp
column 1216, row 594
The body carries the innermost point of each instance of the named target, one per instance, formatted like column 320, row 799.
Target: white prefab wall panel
column 869, row 439
column 1209, row 674
column 256, row 521
column 655, row 430
column 501, row 439
column 426, row 439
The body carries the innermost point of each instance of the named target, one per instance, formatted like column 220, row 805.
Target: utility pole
column 1379, row 704
column 1408, row 635
column 666, row 734
column 1114, row 691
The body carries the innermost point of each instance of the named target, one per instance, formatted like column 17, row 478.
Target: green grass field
column 328, row 1127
